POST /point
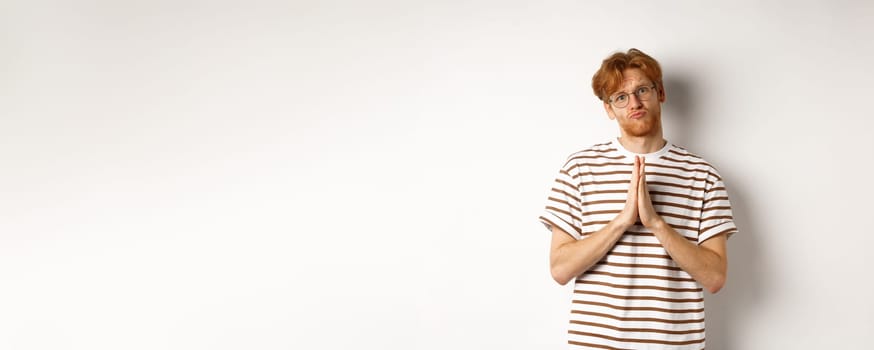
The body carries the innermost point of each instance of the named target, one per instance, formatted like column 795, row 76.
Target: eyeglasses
column 621, row 99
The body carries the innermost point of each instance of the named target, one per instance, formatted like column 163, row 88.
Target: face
column 638, row 118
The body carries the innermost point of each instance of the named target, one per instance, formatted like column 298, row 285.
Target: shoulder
column 690, row 161
column 593, row 154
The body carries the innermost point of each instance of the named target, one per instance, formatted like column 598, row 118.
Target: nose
column 634, row 101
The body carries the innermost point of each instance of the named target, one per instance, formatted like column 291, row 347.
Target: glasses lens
column 620, row 100
column 644, row 92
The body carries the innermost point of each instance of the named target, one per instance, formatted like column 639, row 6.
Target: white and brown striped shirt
column 637, row 297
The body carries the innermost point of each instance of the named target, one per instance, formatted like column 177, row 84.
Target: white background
column 368, row 174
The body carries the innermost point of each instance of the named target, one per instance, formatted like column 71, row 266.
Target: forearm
column 705, row 265
column 574, row 257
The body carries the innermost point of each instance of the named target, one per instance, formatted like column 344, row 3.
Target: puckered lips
column 637, row 115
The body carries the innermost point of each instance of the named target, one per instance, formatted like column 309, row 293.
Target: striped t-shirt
column 637, row 297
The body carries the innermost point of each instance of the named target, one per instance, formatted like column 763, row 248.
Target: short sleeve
column 563, row 203
column 716, row 216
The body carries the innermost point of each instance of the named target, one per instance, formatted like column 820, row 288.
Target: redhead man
column 638, row 224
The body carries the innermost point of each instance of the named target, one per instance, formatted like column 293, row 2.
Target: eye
column 620, row 98
column 643, row 90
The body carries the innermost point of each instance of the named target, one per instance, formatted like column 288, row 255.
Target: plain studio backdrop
column 368, row 174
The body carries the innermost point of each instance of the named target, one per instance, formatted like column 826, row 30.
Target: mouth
column 636, row 115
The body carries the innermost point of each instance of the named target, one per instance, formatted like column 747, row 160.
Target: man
column 638, row 224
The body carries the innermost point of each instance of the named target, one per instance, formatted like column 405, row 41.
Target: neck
column 642, row 144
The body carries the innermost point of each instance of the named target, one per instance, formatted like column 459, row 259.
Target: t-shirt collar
column 649, row 156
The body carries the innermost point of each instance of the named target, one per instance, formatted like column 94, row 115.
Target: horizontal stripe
column 686, row 154
column 648, row 234
column 722, row 198
column 568, row 184
column 681, row 177
column 640, row 308
column 672, row 204
column 678, row 216
column 636, row 319
column 721, row 217
column 638, row 276
column 717, row 208
column 685, row 170
column 604, row 201
column 671, row 184
column 590, row 193
column 583, row 184
column 639, row 297
column 646, row 341
column 567, row 203
column 708, row 228
column 641, row 255
column 560, row 211
column 599, row 156
column 599, row 212
column 637, row 330
column 570, row 196
column 671, row 194
column 633, row 287
column 646, row 266
column 599, row 153
column 592, row 173
column 579, row 343
column 608, row 164
column 728, row 230
column 553, row 224
column 684, row 161
column 555, row 210
column 640, row 234
column 681, row 227
column 633, row 244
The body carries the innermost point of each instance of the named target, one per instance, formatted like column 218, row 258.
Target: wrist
column 623, row 225
column 656, row 224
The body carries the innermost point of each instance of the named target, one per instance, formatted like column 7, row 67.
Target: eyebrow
column 650, row 84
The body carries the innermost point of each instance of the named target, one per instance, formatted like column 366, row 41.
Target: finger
column 643, row 194
column 641, row 187
column 642, row 167
column 643, row 190
column 642, row 171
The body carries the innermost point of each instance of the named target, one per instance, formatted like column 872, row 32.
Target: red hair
column 608, row 79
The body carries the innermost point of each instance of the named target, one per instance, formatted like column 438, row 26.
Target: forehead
column 632, row 78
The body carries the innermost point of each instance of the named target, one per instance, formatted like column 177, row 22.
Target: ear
column 662, row 95
column 609, row 111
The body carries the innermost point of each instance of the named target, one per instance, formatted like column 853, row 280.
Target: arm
column 707, row 263
column 569, row 257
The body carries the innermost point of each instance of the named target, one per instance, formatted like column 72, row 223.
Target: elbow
column 560, row 276
column 716, row 284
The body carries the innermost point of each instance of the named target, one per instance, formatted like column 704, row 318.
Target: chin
column 640, row 129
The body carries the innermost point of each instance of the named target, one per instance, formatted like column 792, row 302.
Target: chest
column 676, row 194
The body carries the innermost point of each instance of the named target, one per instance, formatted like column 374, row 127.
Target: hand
column 648, row 215
column 628, row 216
